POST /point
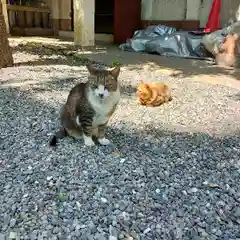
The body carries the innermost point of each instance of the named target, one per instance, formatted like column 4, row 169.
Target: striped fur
column 89, row 107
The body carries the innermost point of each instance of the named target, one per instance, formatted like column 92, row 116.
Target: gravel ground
column 171, row 173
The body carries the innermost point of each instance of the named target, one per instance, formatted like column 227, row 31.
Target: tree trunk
column 6, row 59
column 5, row 14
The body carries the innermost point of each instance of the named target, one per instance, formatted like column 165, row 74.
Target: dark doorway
column 104, row 16
column 117, row 17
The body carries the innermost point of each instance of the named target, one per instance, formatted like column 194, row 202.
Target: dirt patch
column 195, row 70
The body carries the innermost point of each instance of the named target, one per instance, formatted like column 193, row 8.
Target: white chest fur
column 104, row 107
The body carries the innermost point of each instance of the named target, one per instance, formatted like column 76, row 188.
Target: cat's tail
column 61, row 133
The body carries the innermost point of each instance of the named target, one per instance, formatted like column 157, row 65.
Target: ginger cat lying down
column 153, row 94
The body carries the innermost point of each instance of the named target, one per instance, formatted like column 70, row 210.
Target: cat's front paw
column 88, row 141
column 104, row 141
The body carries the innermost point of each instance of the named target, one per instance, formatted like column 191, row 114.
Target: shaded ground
column 171, row 173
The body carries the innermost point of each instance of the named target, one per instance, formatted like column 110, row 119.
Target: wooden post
column 78, row 19
column 84, row 30
column 5, row 15
column 55, row 8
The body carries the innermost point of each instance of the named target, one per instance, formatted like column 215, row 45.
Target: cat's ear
column 91, row 69
column 115, row 72
column 147, row 85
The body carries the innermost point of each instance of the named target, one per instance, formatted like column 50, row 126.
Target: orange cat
column 153, row 94
column 227, row 55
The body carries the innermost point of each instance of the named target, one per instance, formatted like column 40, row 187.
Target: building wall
column 161, row 10
column 230, row 12
column 61, row 10
column 65, row 15
column 189, row 9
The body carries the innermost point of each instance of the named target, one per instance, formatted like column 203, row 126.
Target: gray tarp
column 167, row 41
column 212, row 41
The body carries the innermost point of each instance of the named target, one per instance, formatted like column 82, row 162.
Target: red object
column 213, row 23
column 127, row 19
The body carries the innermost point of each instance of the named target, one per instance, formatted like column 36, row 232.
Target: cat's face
column 143, row 89
column 102, row 82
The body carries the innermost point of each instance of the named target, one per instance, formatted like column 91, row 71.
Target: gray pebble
column 147, row 183
column 12, row 222
column 56, row 230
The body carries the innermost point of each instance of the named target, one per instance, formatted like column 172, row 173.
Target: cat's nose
column 101, row 95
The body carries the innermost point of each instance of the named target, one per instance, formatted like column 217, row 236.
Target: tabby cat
column 89, row 107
